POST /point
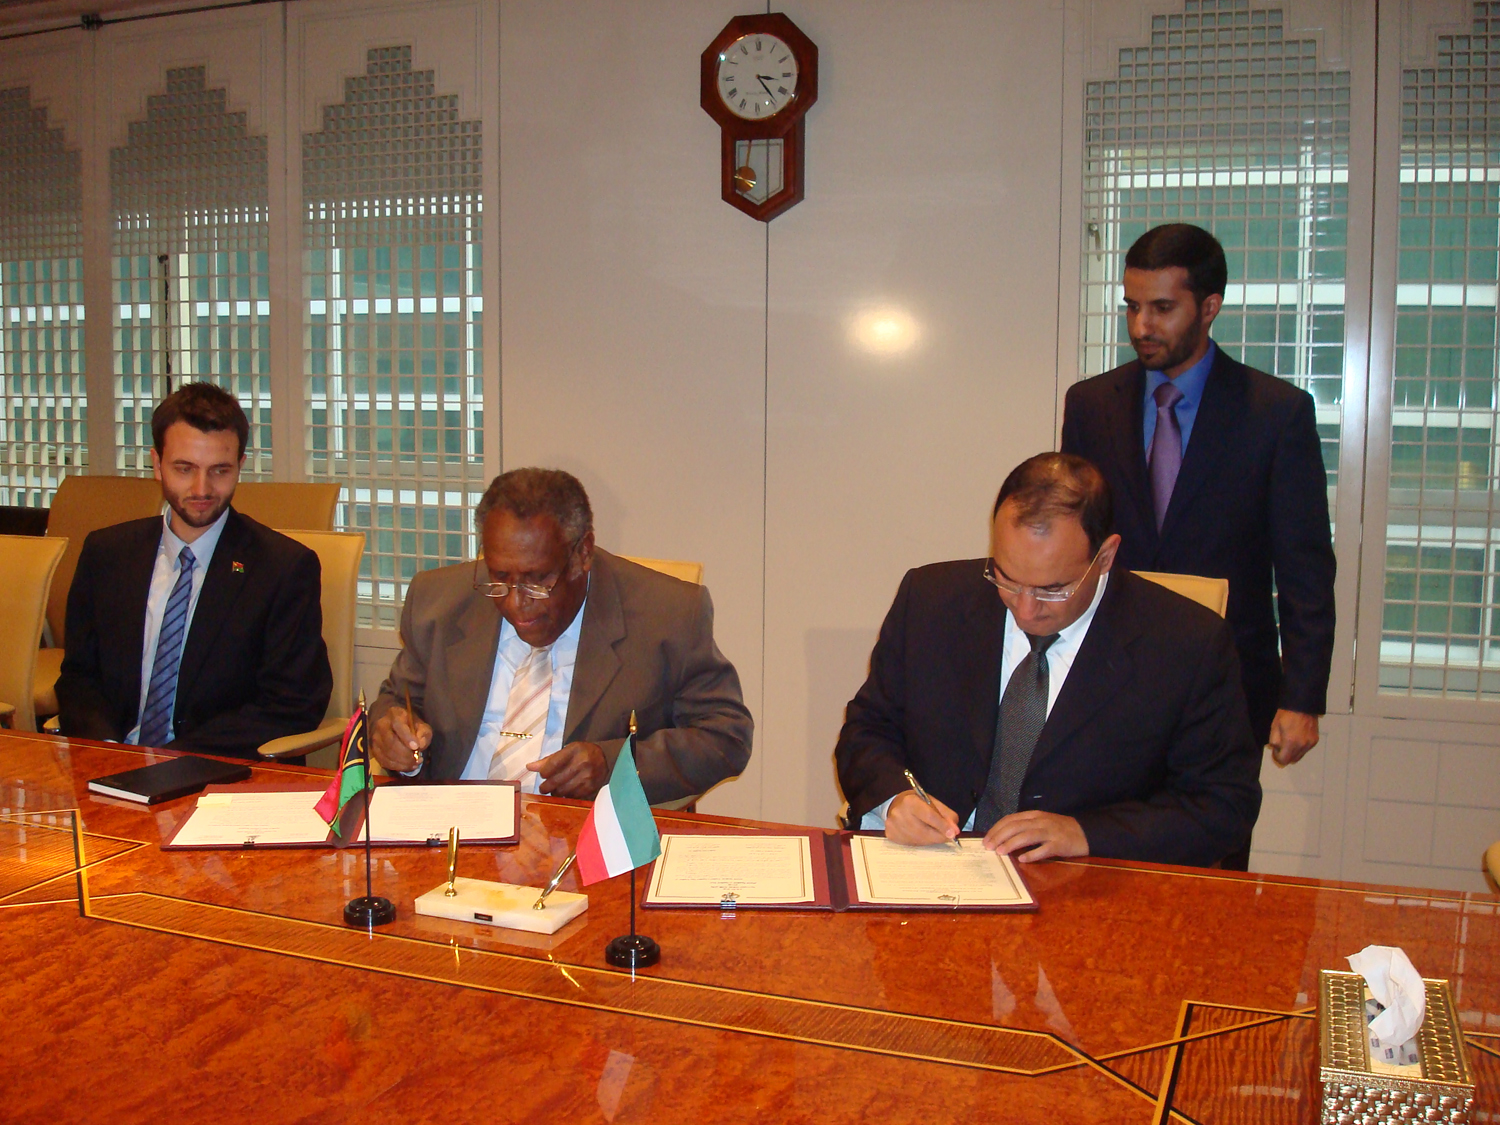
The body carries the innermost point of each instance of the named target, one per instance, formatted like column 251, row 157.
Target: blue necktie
column 156, row 717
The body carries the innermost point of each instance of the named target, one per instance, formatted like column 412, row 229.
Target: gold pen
column 452, row 891
column 541, row 903
column 917, row 785
column 417, row 754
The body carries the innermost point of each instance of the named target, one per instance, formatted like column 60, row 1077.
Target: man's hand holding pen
column 400, row 740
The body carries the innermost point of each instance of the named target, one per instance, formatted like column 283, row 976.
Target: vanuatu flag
column 619, row 834
column 336, row 806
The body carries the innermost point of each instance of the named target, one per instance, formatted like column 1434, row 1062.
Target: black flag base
column 630, row 951
column 369, row 910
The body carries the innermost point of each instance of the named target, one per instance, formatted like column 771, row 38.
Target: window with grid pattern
column 1441, row 617
column 191, row 240
column 43, row 402
column 392, row 277
column 1223, row 122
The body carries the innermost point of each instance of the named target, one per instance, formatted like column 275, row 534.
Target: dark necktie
column 1023, row 713
column 1166, row 449
column 156, row 716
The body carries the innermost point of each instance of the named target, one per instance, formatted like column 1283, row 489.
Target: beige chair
column 1492, row 866
column 687, row 571
column 82, row 504
column 339, row 553
column 28, row 564
column 1212, row 592
column 288, row 505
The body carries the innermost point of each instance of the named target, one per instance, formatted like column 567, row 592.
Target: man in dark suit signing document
column 1055, row 703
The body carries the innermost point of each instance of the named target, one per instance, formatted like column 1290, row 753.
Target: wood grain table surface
column 222, row 986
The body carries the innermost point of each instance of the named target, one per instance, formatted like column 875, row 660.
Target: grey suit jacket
column 646, row 644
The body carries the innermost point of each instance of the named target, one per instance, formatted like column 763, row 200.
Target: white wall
column 694, row 367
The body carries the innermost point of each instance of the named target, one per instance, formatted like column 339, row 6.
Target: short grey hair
column 525, row 493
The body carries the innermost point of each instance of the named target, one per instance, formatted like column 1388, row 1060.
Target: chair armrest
column 682, row 804
column 292, row 745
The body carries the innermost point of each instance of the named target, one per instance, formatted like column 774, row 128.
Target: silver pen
column 917, row 785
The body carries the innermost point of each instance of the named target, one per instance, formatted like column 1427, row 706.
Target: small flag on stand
column 337, row 806
column 619, row 833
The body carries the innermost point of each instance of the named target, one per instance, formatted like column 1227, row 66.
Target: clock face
column 757, row 77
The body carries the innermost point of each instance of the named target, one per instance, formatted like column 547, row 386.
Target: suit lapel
column 470, row 663
column 979, row 672
column 136, row 569
column 222, row 584
column 1218, row 417
column 1128, row 428
column 1100, row 670
column 597, row 663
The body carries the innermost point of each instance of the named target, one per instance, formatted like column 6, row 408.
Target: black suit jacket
column 1250, row 503
column 1147, row 745
column 254, row 665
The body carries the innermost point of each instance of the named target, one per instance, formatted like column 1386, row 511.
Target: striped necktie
column 525, row 713
column 156, row 716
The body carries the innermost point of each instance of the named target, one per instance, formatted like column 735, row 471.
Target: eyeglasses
column 1041, row 594
column 532, row 590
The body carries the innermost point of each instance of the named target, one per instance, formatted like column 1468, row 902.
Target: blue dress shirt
column 1191, row 383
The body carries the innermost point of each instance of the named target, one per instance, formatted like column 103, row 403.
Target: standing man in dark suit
column 527, row 664
column 1217, row 470
column 1051, row 700
column 202, row 631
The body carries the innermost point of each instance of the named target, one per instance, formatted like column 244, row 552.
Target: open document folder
column 266, row 816
column 813, row 870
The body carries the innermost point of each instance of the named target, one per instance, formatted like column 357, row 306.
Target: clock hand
column 762, row 79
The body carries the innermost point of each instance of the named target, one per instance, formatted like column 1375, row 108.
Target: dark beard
column 1177, row 355
column 189, row 521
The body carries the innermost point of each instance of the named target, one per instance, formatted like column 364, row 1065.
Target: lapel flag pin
column 237, row 567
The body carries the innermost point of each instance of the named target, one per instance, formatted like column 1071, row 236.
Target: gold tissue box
column 1439, row 1088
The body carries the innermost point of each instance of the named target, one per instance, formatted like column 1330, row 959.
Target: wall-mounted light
column 884, row 330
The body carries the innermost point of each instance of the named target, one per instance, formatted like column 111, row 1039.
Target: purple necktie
column 1166, row 449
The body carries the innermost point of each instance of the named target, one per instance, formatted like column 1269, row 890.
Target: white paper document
column 935, row 874
column 231, row 820
column 412, row 814
column 705, row 870
column 420, row 812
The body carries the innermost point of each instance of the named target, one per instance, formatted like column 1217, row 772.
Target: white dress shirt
column 163, row 578
column 1017, row 647
column 510, row 654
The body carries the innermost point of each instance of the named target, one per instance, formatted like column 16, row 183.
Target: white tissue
column 1395, row 982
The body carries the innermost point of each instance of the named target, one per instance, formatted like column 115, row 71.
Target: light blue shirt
column 510, row 654
column 1017, row 647
column 1191, row 383
column 163, row 578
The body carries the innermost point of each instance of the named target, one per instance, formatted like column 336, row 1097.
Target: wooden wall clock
column 760, row 76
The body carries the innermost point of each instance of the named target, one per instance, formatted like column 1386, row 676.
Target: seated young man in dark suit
column 1058, row 705
column 203, row 630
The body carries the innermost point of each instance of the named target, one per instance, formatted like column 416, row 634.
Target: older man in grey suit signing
column 542, row 690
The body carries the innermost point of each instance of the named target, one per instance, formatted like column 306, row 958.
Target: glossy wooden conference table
column 187, row 986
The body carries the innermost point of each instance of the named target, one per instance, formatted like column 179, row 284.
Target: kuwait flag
column 619, row 834
column 336, row 806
